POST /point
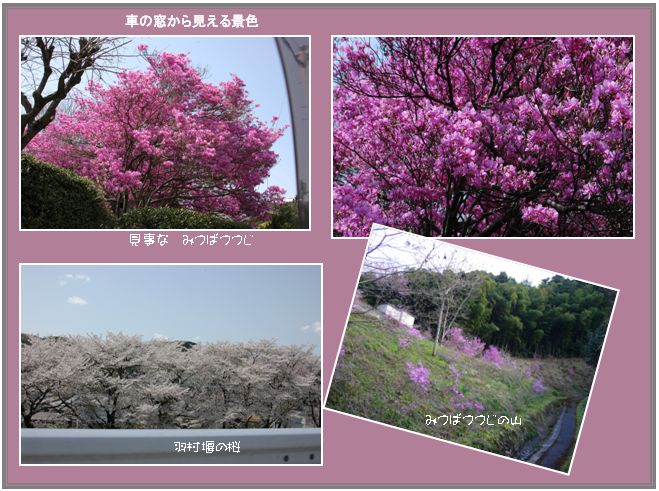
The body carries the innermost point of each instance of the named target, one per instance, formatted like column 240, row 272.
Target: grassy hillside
column 372, row 381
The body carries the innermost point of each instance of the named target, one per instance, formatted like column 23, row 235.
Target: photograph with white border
column 501, row 136
column 170, row 364
column 164, row 132
column 470, row 348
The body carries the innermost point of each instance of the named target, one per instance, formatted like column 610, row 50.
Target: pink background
column 616, row 445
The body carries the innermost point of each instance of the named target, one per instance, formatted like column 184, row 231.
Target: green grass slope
column 371, row 381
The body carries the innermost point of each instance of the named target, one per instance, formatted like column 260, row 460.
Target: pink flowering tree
column 484, row 136
column 164, row 137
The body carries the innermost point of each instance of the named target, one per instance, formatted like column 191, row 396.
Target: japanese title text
column 216, row 239
column 196, row 21
column 208, row 446
column 469, row 419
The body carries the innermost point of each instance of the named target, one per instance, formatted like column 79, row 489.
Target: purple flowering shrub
column 470, row 346
column 493, row 355
column 409, row 333
column 533, row 372
column 419, row 375
column 485, row 128
column 473, row 346
column 538, row 386
column 458, row 399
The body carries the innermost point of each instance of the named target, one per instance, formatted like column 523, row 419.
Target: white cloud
column 160, row 337
column 76, row 301
column 74, row 277
column 313, row 327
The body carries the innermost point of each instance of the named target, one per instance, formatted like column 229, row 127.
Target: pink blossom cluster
column 493, row 355
column 470, row 346
column 538, row 386
column 412, row 332
column 164, row 137
column 458, row 399
column 542, row 215
column 409, row 333
column 533, row 372
column 484, row 136
column 474, row 347
column 419, row 375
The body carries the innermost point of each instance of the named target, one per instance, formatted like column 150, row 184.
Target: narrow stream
column 556, row 453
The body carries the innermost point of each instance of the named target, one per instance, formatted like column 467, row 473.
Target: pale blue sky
column 404, row 249
column 256, row 61
column 182, row 302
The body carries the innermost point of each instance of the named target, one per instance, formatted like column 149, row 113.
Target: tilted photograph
column 470, row 348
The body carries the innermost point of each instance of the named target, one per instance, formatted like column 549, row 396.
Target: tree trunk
column 439, row 329
column 27, row 421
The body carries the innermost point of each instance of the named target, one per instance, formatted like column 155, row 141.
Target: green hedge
column 175, row 218
column 53, row 197
column 283, row 217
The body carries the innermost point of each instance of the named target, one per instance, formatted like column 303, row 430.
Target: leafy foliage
column 175, row 218
column 559, row 317
column 283, row 216
column 593, row 347
column 478, row 136
column 52, row 197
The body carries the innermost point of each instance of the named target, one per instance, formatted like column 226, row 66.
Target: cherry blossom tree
column 120, row 381
column 162, row 394
column 484, row 136
column 108, row 388
column 164, row 137
column 47, row 382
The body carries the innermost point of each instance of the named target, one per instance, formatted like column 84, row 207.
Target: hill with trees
column 559, row 317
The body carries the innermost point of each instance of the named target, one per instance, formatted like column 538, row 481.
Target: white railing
column 254, row 446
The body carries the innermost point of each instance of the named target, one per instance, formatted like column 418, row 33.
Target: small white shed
column 397, row 314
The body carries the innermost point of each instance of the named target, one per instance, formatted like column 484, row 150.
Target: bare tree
column 424, row 274
column 52, row 66
column 453, row 292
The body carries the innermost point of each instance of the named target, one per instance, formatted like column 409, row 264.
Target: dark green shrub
column 593, row 347
column 175, row 218
column 53, row 197
column 283, row 216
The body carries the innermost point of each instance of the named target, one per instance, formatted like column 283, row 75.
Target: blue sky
column 256, row 61
column 182, row 302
